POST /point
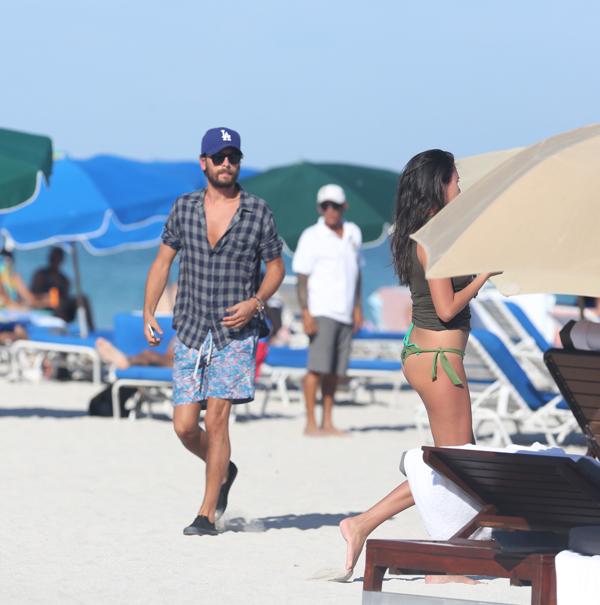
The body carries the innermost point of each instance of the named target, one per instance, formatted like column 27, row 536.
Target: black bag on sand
column 101, row 403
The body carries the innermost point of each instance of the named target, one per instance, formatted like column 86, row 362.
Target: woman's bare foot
column 110, row 354
column 450, row 579
column 355, row 541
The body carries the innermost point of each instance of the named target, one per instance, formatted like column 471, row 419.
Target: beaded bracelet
column 260, row 305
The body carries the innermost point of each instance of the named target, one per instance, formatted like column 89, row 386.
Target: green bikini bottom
column 410, row 348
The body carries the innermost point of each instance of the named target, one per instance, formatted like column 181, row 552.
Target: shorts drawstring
column 199, row 357
column 210, row 352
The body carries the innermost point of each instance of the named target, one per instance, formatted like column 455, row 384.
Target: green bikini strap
column 406, row 339
column 446, row 365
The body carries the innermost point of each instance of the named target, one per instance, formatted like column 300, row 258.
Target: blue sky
column 341, row 80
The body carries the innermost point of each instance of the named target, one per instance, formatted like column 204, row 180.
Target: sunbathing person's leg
column 110, row 354
column 151, row 358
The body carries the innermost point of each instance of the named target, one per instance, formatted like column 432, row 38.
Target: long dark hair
column 421, row 194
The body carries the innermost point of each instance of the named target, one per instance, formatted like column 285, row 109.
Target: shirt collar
column 323, row 227
column 244, row 198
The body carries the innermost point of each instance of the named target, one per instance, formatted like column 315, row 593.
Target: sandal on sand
column 200, row 526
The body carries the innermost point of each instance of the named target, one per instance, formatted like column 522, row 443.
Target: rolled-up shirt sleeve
column 171, row 235
column 270, row 243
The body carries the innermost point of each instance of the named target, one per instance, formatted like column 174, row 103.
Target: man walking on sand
column 222, row 233
column 327, row 264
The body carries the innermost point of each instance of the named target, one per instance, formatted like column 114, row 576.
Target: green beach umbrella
column 291, row 192
column 23, row 159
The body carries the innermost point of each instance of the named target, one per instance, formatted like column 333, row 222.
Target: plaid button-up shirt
column 212, row 279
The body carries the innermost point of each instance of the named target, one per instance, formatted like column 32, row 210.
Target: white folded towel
column 577, row 578
column 443, row 506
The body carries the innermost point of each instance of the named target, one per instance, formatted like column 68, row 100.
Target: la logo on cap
column 225, row 136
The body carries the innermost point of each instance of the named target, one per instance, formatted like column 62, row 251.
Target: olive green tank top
column 423, row 311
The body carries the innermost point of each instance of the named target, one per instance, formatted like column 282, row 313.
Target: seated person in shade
column 14, row 294
column 52, row 287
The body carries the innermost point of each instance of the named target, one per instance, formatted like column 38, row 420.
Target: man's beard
column 216, row 183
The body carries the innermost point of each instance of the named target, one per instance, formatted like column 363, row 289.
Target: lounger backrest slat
column 577, row 374
column 510, row 328
column 527, row 324
column 547, row 491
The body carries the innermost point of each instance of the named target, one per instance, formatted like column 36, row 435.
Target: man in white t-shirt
column 328, row 268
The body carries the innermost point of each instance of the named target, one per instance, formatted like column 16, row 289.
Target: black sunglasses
column 327, row 205
column 234, row 157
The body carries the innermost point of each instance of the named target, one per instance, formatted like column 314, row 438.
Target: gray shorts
column 329, row 348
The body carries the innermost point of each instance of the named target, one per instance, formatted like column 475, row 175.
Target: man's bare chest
column 218, row 219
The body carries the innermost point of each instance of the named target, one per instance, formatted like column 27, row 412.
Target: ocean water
column 115, row 283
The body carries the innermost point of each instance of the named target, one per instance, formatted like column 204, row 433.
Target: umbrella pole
column 581, row 306
column 81, row 318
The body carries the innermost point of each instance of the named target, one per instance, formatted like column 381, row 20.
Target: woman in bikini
column 435, row 342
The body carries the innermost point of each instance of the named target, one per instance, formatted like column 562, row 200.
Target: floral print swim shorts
column 209, row 372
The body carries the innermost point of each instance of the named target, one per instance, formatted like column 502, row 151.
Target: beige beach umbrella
column 474, row 167
column 536, row 217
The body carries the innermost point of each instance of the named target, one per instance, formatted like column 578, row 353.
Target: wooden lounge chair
column 518, row 492
column 577, row 374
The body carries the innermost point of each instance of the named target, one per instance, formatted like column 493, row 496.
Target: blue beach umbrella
column 137, row 224
column 119, row 237
column 138, row 192
column 72, row 209
column 89, row 197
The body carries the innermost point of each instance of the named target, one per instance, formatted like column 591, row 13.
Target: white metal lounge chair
column 510, row 323
column 284, row 363
column 42, row 342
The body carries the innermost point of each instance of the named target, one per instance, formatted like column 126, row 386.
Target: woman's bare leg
column 449, row 411
column 356, row 529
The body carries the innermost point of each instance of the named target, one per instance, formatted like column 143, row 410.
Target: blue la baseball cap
column 216, row 139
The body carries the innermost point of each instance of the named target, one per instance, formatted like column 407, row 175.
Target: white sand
column 93, row 510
